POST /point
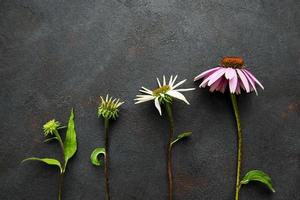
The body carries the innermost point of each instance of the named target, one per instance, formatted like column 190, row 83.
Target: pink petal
column 233, row 83
column 253, row 78
column 224, row 86
column 241, row 84
column 250, row 81
column 216, row 84
column 204, row 83
column 215, row 76
column 238, row 89
column 244, row 80
column 220, row 86
column 206, row 73
column 229, row 73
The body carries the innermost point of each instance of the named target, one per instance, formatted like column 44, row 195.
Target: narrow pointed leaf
column 95, row 154
column 50, row 139
column 49, row 161
column 260, row 176
column 181, row 136
column 70, row 143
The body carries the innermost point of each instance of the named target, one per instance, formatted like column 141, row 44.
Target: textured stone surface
column 55, row 55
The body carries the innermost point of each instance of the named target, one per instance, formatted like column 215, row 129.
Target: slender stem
column 61, row 176
column 169, row 152
column 60, row 143
column 61, row 180
column 106, row 159
column 240, row 142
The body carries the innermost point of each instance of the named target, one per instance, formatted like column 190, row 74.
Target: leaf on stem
column 50, row 139
column 70, row 143
column 181, row 136
column 260, row 176
column 95, row 154
column 49, row 161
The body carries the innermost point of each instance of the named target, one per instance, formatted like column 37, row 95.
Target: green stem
column 168, row 107
column 106, row 159
column 61, row 180
column 61, row 176
column 240, row 142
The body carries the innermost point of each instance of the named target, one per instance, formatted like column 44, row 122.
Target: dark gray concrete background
column 55, row 55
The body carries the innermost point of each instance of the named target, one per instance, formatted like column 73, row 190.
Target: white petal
column 178, row 84
column 170, row 81
column 164, row 80
column 157, row 105
column 177, row 95
column 174, row 80
column 159, row 85
column 146, row 92
column 146, row 98
column 146, row 89
column 184, row 90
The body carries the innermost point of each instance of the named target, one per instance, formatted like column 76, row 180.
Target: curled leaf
column 49, row 161
column 181, row 136
column 260, row 176
column 95, row 154
column 70, row 143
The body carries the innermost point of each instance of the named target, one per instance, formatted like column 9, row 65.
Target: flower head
column 164, row 93
column 109, row 107
column 50, row 127
column 231, row 72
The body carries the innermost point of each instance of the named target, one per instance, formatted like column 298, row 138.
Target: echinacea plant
column 108, row 110
column 232, row 72
column 164, row 95
column 68, row 146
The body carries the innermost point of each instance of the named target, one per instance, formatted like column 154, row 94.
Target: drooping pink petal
column 204, row 82
column 225, row 83
column 241, row 84
column 238, row 88
column 220, row 86
column 233, row 83
column 244, row 80
column 250, row 81
column 253, row 78
column 215, row 85
column 229, row 73
column 205, row 73
column 215, row 76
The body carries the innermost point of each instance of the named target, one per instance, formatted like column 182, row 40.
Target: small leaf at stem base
column 50, row 139
column 49, row 161
column 260, row 176
column 181, row 136
column 95, row 154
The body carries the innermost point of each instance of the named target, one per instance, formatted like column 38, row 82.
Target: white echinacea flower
column 164, row 93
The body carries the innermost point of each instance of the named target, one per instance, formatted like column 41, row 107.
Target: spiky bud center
column 232, row 62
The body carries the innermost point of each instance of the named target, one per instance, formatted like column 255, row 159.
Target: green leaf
column 257, row 175
column 181, row 136
column 49, row 161
column 50, row 139
column 70, row 143
column 95, row 154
